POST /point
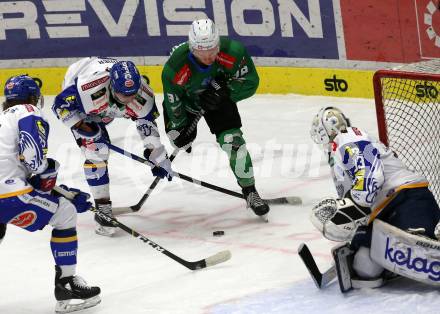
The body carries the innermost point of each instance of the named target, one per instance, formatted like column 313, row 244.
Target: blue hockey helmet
column 125, row 78
column 21, row 88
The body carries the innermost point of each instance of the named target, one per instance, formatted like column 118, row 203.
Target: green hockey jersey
column 184, row 79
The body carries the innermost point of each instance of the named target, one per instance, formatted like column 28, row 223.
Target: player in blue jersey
column 95, row 92
column 27, row 177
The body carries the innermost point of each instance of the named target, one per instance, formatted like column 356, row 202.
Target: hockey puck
column 218, row 233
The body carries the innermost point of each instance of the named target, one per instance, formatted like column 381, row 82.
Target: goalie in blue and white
column 371, row 183
column 27, row 177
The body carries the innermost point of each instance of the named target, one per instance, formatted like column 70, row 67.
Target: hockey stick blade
column 321, row 279
column 123, row 210
column 292, row 200
column 215, row 259
column 218, row 258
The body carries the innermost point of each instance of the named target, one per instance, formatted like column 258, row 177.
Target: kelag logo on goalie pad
column 403, row 257
column 404, row 254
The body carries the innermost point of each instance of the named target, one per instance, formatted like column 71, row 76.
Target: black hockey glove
column 182, row 137
column 217, row 93
column 2, row 231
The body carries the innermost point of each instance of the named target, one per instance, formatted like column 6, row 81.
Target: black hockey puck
column 218, row 233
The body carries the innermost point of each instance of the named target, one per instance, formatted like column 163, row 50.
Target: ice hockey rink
column 264, row 275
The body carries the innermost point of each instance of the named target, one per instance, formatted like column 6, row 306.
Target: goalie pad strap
column 412, row 256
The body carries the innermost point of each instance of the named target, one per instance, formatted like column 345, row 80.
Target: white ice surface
column 265, row 275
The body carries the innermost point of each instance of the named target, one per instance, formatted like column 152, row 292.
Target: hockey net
column 408, row 116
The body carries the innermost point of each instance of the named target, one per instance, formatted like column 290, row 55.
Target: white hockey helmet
column 203, row 35
column 327, row 123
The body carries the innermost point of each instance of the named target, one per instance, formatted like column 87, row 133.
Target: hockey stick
column 293, row 200
column 136, row 207
column 321, row 280
column 215, row 259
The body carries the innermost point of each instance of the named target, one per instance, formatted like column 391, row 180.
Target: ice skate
column 73, row 293
column 104, row 227
column 254, row 201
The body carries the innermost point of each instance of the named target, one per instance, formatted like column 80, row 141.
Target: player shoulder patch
column 183, row 75
column 226, row 60
column 95, row 83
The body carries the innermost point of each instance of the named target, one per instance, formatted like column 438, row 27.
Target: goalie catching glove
column 338, row 219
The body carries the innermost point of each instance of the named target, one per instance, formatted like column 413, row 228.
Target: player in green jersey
column 213, row 74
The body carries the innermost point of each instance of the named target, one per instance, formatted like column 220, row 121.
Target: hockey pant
column 225, row 123
column 95, row 165
column 33, row 210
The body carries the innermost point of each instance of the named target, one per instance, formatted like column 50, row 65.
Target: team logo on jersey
column 30, row 153
column 95, row 83
column 41, row 128
column 24, row 219
column 62, row 113
column 69, row 100
column 10, row 181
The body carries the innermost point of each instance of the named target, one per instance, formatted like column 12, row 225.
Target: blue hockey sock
column 64, row 245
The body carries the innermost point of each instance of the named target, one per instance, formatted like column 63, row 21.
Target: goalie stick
column 215, row 259
column 292, row 200
column 321, row 280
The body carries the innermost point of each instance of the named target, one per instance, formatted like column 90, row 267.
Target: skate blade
column 73, row 305
column 264, row 218
column 105, row 231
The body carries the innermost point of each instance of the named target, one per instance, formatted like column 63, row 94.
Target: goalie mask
column 327, row 123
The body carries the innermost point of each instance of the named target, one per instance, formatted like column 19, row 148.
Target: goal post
column 408, row 116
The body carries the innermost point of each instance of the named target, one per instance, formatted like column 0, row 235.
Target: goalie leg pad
column 409, row 255
column 364, row 266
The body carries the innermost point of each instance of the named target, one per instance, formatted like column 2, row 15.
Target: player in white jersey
column 371, row 183
column 96, row 91
column 27, row 177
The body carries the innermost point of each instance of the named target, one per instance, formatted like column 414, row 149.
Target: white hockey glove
column 338, row 219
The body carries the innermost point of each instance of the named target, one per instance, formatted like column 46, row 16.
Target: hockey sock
column 64, row 245
column 233, row 143
column 97, row 178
